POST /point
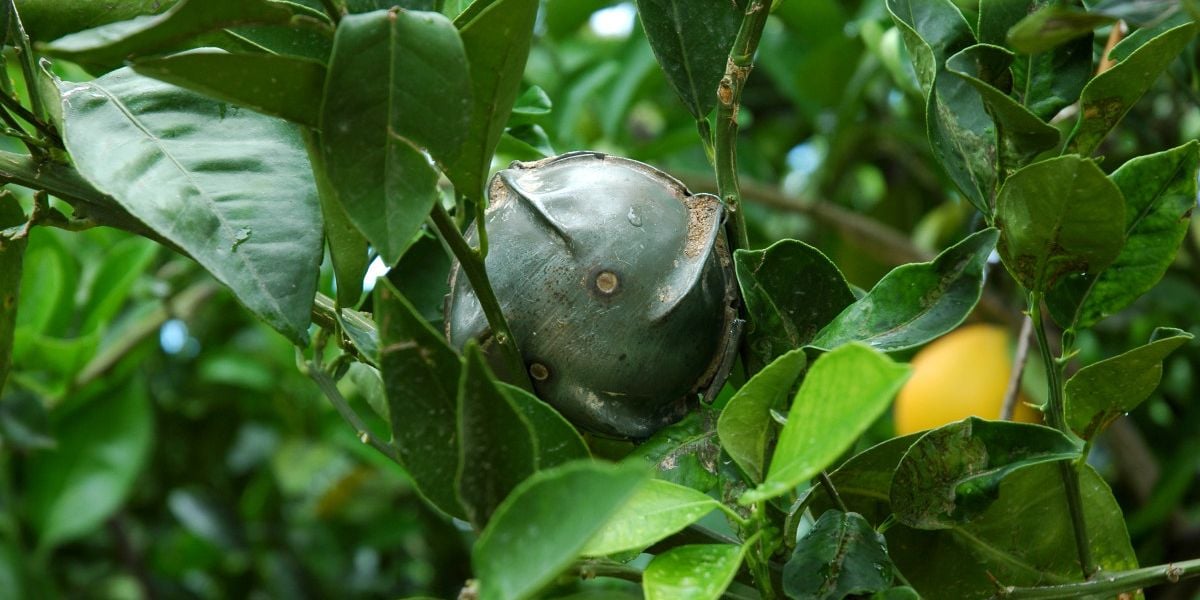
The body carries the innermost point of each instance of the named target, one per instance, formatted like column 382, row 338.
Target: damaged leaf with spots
column 953, row 473
column 842, row 555
column 685, row 453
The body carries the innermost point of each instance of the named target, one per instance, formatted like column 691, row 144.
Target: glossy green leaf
column 213, row 186
column 110, row 45
column 101, row 449
column 1160, row 193
column 658, row 509
column 423, row 276
column 699, row 572
column 685, row 453
column 497, row 447
column 124, row 263
column 840, row 556
column 1022, row 135
column 281, row 86
column 348, row 247
column 1056, row 217
column 12, row 255
column 917, row 302
column 959, row 563
column 372, row 133
column 691, row 40
column 420, row 377
column 1045, row 82
column 51, row 19
column 304, row 37
column 844, row 392
column 745, row 426
column 791, row 290
column 529, row 542
column 1102, row 392
column 961, row 132
column 953, row 473
column 1111, row 94
column 1053, row 26
column 497, row 37
column 557, row 441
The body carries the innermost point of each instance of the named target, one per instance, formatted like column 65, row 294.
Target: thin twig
column 1018, row 369
column 1108, row 584
column 827, row 483
column 329, row 388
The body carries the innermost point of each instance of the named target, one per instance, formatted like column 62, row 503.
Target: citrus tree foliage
column 227, row 225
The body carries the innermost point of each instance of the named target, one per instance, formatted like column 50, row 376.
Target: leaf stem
column 1056, row 418
column 472, row 264
column 827, row 483
column 729, row 97
column 329, row 389
column 25, row 50
column 1009, row 407
column 1108, row 584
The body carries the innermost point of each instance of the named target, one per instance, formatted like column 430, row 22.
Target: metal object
column 616, row 282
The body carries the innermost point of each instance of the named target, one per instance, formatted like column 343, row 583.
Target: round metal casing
column 616, row 283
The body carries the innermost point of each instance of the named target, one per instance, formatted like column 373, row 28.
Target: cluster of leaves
column 255, row 136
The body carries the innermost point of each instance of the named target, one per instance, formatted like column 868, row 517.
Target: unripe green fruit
column 616, row 283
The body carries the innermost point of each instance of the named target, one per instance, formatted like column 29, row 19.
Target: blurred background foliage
column 156, row 441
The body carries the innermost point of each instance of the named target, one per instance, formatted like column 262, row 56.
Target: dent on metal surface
column 616, row 282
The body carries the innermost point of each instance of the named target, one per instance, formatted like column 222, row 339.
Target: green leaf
column 24, row 425
column 685, row 453
column 1022, row 135
column 12, row 255
column 557, row 441
column 959, row 563
column 844, row 392
column 691, row 40
column 498, row 449
column 348, row 247
column 497, row 36
column 281, row 86
column 952, row 474
column 101, row 449
column 933, row 31
column 423, row 276
column 111, row 44
column 373, row 132
column 1102, row 392
column 916, row 302
column 1056, row 217
column 1053, row 26
column 840, row 556
column 1160, row 193
column 791, row 290
column 745, row 427
column 230, row 187
column 124, row 262
column 1111, row 94
column 304, row 37
column 420, row 377
column 699, row 572
column 529, row 542
column 50, row 19
column 658, row 509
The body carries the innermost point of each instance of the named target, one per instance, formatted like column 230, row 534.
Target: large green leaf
column 101, row 449
column 1056, row 217
column 397, row 84
column 745, row 426
column 541, row 528
column 1111, row 94
column 497, row 36
column 791, row 290
column 12, row 255
column 1102, row 392
column 281, row 86
column 1160, row 193
column 700, row 572
column 51, row 19
column 1045, row 82
column 916, row 302
column 691, row 40
column 842, row 555
column 420, row 376
column 1021, row 134
column 960, row 130
column 498, row 449
column 658, row 509
column 557, row 441
column 961, row 563
column 844, row 392
column 953, row 473
column 1053, row 26
column 348, row 247
column 111, row 44
column 230, row 187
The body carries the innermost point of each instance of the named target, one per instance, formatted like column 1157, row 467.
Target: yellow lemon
column 964, row 373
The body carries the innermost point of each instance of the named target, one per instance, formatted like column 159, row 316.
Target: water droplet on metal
column 633, row 217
